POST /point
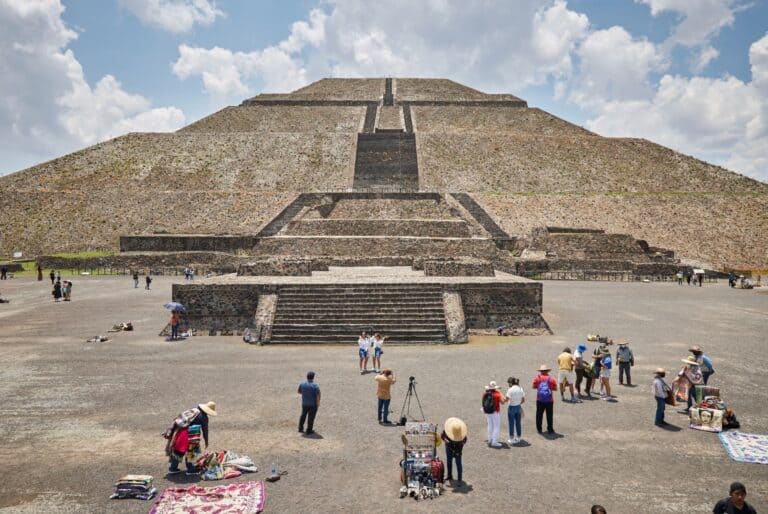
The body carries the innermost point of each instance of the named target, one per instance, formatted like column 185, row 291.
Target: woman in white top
column 363, row 343
column 516, row 397
column 377, row 343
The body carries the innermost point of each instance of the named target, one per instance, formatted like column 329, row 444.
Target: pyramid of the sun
column 234, row 171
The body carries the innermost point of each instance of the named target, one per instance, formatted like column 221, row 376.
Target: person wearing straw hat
column 183, row 437
column 704, row 362
column 626, row 360
column 455, row 437
column 544, row 385
column 492, row 400
column 687, row 379
column 660, row 389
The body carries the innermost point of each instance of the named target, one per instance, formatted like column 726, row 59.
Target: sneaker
column 192, row 473
column 174, row 471
column 511, row 441
column 495, row 445
column 362, row 372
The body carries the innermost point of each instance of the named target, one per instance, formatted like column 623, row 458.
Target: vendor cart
column 421, row 470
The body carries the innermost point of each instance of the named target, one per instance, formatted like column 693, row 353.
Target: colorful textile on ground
column 134, row 486
column 242, row 498
column 742, row 447
column 709, row 420
column 224, row 464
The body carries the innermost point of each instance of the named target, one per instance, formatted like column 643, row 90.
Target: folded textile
column 138, row 495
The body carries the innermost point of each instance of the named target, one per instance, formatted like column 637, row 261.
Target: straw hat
column 455, row 429
column 660, row 371
column 623, row 343
column 690, row 360
column 209, row 408
column 544, row 367
column 695, row 348
column 492, row 385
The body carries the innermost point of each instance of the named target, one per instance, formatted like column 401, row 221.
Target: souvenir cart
column 421, row 469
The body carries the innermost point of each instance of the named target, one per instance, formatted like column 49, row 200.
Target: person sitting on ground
column 565, row 363
column 660, row 391
column 705, row 363
column 384, row 381
column 377, row 343
column 184, row 437
column 455, row 437
column 363, row 345
column 735, row 503
column 248, row 336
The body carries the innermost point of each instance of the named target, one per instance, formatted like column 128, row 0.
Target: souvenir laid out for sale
column 421, row 471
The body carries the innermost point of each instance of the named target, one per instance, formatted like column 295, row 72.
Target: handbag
column 670, row 399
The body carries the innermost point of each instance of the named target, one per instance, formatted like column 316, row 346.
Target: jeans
column 384, row 410
column 135, row 283
column 450, row 456
column 541, row 408
column 625, row 367
column 706, row 375
column 660, row 406
column 307, row 411
column 494, row 426
column 174, row 331
column 514, row 414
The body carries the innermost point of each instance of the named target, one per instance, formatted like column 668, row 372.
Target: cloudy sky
column 689, row 74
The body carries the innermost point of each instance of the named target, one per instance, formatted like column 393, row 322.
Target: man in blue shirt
column 310, row 401
column 704, row 361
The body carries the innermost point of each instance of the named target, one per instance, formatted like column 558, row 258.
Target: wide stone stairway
column 330, row 313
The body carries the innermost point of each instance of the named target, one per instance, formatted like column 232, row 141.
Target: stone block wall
column 276, row 267
column 378, row 227
column 271, row 118
column 487, row 306
column 458, row 268
column 185, row 243
column 142, row 262
column 594, row 245
column 391, row 208
column 220, row 307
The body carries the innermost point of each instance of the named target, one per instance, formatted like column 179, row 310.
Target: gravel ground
column 75, row 416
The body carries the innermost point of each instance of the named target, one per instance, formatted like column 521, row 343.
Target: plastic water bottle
column 274, row 469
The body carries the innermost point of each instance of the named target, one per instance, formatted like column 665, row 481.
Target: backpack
column 489, row 405
column 607, row 362
column 543, row 391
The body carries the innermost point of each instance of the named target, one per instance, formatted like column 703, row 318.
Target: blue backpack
column 543, row 392
column 607, row 362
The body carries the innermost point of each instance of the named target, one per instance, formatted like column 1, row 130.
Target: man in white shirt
column 660, row 389
column 516, row 398
column 364, row 344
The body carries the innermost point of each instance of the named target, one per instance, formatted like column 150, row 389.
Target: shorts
column 564, row 377
column 377, row 352
column 363, row 353
column 605, row 373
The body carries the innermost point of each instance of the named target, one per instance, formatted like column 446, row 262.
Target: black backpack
column 489, row 405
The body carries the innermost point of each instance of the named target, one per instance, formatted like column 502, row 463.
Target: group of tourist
column 61, row 290
column 690, row 277
column 370, row 346
column 189, row 273
column 147, row 281
column 696, row 370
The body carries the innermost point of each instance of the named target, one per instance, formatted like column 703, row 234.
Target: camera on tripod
column 406, row 410
column 412, row 380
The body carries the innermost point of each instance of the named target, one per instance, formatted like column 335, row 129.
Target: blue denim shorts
column 363, row 353
column 377, row 352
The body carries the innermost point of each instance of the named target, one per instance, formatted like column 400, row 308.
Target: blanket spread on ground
column 244, row 497
column 743, row 447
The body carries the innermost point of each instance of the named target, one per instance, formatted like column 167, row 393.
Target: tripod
column 406, row 410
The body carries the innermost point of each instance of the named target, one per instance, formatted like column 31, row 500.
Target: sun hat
column 455, row 429
column 582, row 347
column 660, row 371
column 623, row 343
column 209, row 408
column 695, row 348
column 544, row 367
column 492, row 385
column 690, row 360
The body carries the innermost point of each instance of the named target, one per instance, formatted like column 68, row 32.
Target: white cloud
column 173, row 15
column 706, row 55
column 701, row 19
column 47, row 106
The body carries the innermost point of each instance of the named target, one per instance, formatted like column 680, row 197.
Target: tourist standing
column 687, row 379
column 52, row 274
column 363, row 346
column 626, row 360
column 736, row 501
column 148, row 281
column 310, row 402
column 688, row 277
column 3, row 272
column 455, row 437
column 175, row 319
column 605, row 376
column 135, row 279
column 544, row 385
column 704, row 362
column 68, row 289
column 516, row 399
column 565, row 364
column 377, row 343
column 679, row 278
column 580, row 366
column 492, row 400
column 384, row 381
column 660, row 390
column 184, row 437
column 57, row 291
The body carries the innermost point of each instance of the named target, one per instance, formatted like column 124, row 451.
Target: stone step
column 360, row 313
column 344, row 306
column 334, row 317
column 356, row 287
column 438, row 328
column 353, row 336
column 367, row 298
column 349, row 342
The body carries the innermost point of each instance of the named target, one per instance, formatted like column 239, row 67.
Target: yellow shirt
column 565, row 362
column 384, row 384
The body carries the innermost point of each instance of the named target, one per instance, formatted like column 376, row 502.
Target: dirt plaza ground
column 76, row 416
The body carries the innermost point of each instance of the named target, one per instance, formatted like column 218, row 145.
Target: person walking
column 544, row 385
column 377, row 343
column 175, row 319
column 454, row 436
column 516, row 399
column 148, row 281
column 384, row 381
column 52, row 274
column 735, row 503
column 492, row 401
column 565, row 363
column 363, row 346
column 135, row 279
column 626, row 360
column 310, row 402
column 660, row 390
column 704, row 362
column 580, row 367
column 184, row 437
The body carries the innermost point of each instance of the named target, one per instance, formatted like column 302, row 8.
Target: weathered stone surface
column 414, row 89
column 487, row 306
column 289, row 119
column 265, row 317
column 378, row 227
column 212, row 307
column 496, row 120
column 186, row 243
column 458, row 268
column 279, row 267
column 390, row 118
column 201, row 261
column 455, row 324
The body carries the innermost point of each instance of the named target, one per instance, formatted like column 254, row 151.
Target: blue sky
column 689, row 74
